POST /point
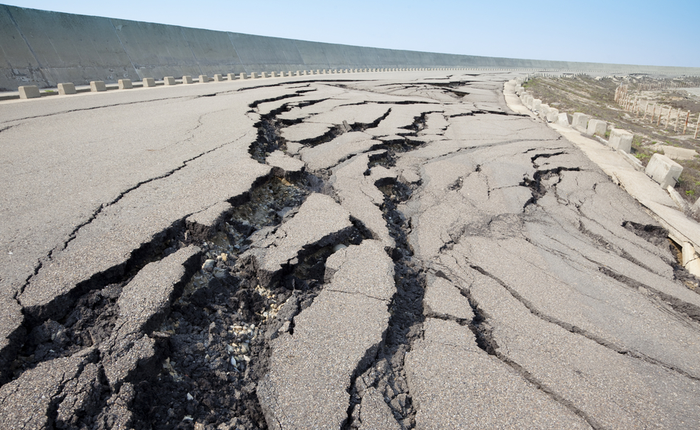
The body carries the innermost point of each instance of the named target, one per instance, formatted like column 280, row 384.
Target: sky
column 658, row 33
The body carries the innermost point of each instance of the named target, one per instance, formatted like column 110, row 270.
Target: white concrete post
column 253, row 75
column 231, row 77
column 563, row 119
column 696, row 128
column 125, row 84
column 187, row 79
column 29, row 92
column 621, row 140
column 580, row 121
column 149, row 82
column 597, row 126
column 218, row 78
column 66, row 88
column 663, row 170
column 169, row 80
column 97, row 86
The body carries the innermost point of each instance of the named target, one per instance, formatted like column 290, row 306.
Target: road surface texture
column 371, row 251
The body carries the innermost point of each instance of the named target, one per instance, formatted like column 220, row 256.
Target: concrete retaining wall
column 45, row 48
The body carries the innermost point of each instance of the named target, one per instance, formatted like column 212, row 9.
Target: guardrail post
column 29, row 92
column 97, row 86
column 66, row 88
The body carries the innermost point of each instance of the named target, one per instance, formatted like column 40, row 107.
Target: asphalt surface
column 395, row 250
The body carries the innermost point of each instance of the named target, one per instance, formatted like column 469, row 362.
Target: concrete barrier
column 149, row 82
column 187, row 79
column 203, row 79
column 530, row 102
column 580, row 121
column 536, row 104
column 241, row 76
column 690, row 259
column 66, row 88
column 254, row 75
column 553, row 115
column 272, row 74
column 597, row 126
column 563, row 119
column 218, row 78
column 44, row 48
column 663, row 170
column 29, row 92
column 125, row 84
column 169, row 80
column 620, row 140
column 97, row 86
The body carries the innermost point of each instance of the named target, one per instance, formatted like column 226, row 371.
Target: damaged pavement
column 390, row 251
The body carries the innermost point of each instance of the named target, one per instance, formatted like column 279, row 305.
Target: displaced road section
column 389, row 251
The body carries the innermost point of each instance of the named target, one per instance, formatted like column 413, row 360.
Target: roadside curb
column 627, row 174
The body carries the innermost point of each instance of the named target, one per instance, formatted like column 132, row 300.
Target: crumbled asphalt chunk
column 329, row 342
column 143, row 305
column 54, row 389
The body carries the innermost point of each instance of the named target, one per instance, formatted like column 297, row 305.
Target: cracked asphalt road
column 373, row 251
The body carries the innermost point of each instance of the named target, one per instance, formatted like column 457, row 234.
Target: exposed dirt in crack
column 340, row 129
column 385, row 370
column 269, row 137
column 219, row 330
column 85, row 316
column 542, row 181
